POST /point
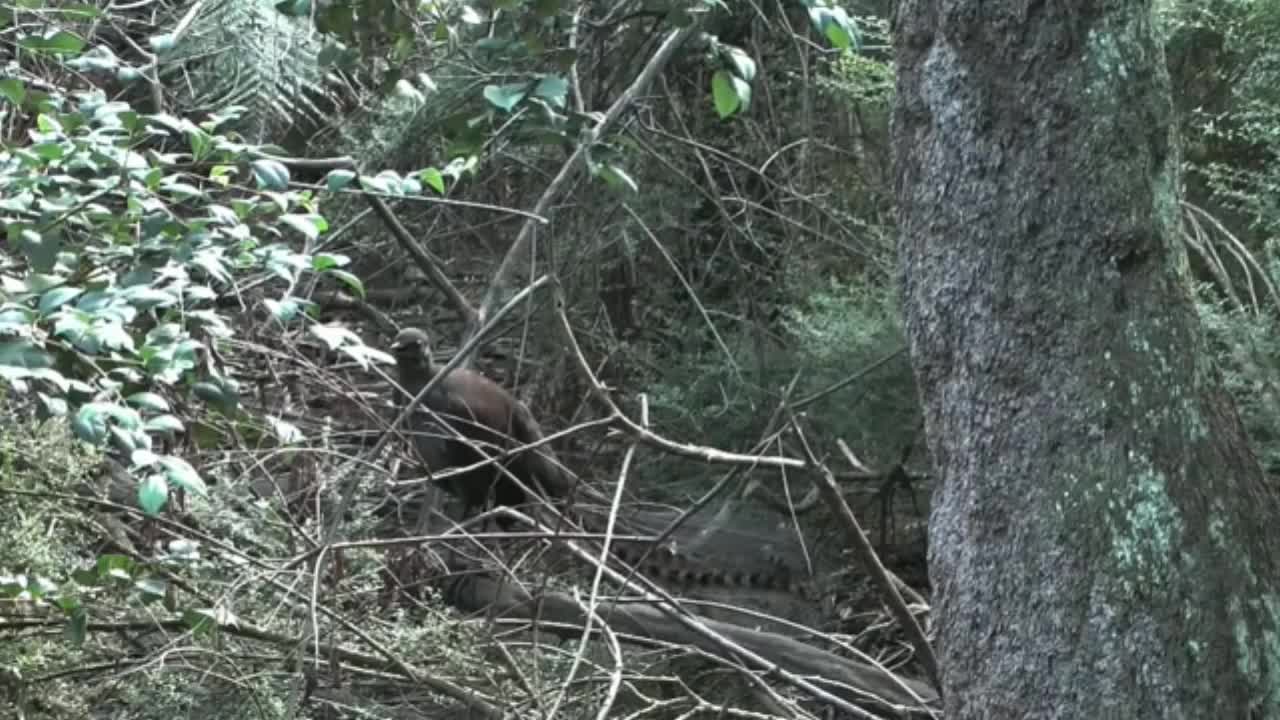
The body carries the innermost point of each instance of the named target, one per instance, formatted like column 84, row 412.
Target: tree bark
column 1103, row 542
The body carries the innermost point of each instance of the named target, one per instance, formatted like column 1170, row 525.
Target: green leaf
column 836, row 25
column 505, row 97
column 433, row 178
column 90, row 423
column 224, row 393
column 208, row 392
column 294, row 8
column 23, row 353
column 148, row 401
column 153, row 493
column 554, row 89
column 161, row 43
column 56, row 298
column 113, row 336
column 376, row 184
column 743, row 66
column 13, row 90
column 59, row 43
column 53, row 406
column 85, row 577
column 349, row 280
column 725, row 94
column 283, row 310
column 114, row 566
column 79, row 12
column 338, row 179
column 124, row 440
column 145, row 298
column 409, row 185
column 839, row 36
column 181, row 473
column 617, row 177
column 324, row 261
column 143, row 458
column 49, row 150
column 310, row 225
column 270, row 174
column 163, row 424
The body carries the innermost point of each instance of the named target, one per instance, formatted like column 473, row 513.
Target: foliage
column 150, row 248
column 112, row 602
column 837, row 332
column 1246, row 343
column 1226, row 70
column 865, row 81
column 125, row 229
column 37, row 455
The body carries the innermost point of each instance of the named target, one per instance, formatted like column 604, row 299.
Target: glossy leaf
column 181, row 474
column 153, row 493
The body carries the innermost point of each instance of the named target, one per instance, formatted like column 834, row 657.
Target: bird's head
column 411, row 348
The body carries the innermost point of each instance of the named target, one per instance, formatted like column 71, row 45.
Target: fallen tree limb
column 790, row 660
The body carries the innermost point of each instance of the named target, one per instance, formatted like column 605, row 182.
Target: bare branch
column 502, row 278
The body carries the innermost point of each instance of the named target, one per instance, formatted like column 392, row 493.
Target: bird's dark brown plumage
column 486, row 415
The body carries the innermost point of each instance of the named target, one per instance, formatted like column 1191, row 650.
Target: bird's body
column 469, row 418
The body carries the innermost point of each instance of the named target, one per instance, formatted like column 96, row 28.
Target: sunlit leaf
column 13, row 90
column 617, row 177
column 338, row 179
column 57, row 297
column 310, row 225
column 283, row 310
column 286, row 432
column 324, row 261
column 724, row 94
column 505, row 97
column 148, row 401
column 153, row 493
column 270, row 174
column 181, row 474
column 349, row 280
column 433, row 178
column 161, row 43
column 554, row 89
column 90, row 423
column 163, row 424
column 59, row 43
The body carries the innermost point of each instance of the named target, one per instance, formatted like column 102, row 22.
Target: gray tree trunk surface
column 1103, row 543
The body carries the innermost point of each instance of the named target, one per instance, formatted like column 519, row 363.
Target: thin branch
column 866, row 554
column 696, row 452
column 424, row 260
column 502, row 277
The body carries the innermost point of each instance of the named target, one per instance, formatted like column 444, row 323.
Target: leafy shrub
column 125, row 230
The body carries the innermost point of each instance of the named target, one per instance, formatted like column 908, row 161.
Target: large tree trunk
column 1103, row 544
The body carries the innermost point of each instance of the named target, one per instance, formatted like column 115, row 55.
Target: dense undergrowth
column 178, row 298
